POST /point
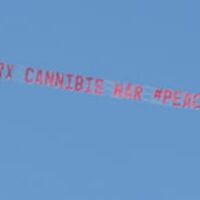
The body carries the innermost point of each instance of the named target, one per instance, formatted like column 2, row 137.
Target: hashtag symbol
column 158, row 94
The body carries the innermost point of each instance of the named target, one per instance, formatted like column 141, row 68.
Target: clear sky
column 60, row 145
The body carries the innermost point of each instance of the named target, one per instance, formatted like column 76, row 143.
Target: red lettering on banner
column 39, row 77
column 196, row 106
column 49, row 79
column 89, row 85
column 176, row 99
column 187, row 101
column 10, row 69
column 69, row 82
column 167, row 95
column 27, row 73
column 129, row 91
column 1, row 69
column 138, row 91
column 118, row 90
column 179, row 99
column 79, row 83
column 59, row 80
column 99, row 87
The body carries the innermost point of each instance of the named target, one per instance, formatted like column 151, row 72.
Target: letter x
column 9, row 71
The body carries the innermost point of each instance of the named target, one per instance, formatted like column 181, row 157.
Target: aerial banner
column 100, row 87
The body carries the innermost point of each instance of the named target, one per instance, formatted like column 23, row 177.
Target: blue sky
column 59, row 145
